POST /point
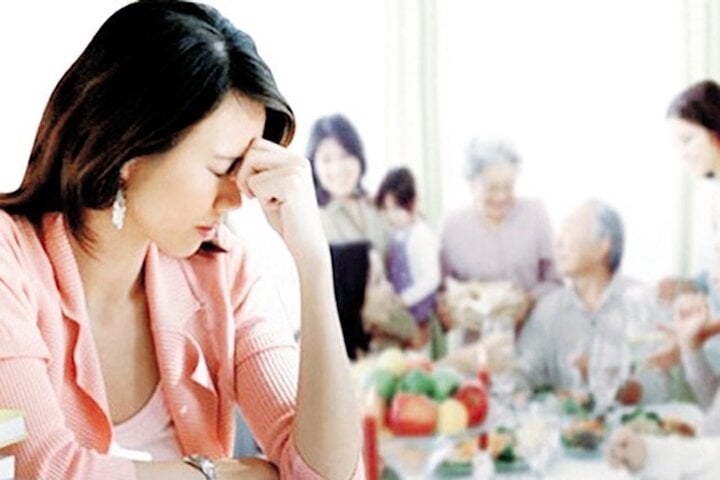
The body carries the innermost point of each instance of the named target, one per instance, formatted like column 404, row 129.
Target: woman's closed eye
column 221, row 169
column 218, row 174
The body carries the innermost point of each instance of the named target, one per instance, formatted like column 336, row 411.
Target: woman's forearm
column 327, row 426
column 170, row 470
column 227, row 469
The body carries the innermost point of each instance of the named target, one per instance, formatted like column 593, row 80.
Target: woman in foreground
column 132, row 321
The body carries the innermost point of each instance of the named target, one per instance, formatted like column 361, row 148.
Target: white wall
column 38, row 42
column 580, row 87
column 327, row 57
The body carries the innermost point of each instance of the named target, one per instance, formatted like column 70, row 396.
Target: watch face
column 204, row 464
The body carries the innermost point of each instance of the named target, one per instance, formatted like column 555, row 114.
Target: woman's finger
column 261, row 156
column 275, row 185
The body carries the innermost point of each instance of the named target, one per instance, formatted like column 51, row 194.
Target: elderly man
column 581, row 330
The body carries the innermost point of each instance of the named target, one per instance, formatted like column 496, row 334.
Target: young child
column 412, row 260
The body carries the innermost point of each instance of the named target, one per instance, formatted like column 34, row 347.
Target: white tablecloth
column 563, row 467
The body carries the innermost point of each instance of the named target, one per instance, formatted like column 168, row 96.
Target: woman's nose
column 228, row 197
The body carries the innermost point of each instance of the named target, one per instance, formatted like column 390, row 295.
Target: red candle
column 372, row 411
column 370, row 448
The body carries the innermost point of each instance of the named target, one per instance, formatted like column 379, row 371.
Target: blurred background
column 580, row 89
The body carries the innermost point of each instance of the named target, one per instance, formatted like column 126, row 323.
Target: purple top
column 519, row 249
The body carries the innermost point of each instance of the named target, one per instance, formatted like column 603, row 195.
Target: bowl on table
column 583, row 437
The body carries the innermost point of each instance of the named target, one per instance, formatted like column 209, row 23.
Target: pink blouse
column 220, row 336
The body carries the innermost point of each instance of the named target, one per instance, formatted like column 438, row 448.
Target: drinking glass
column 500, row 331
column 642, row 336
column 538, row 439
column 608, row 369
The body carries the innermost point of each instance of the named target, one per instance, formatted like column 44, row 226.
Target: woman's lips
column 207, row 233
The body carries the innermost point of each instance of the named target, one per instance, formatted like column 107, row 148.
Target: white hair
column 481, row 154
column 609, row 224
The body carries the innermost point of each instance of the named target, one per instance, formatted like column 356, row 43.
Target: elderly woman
column 499, row 236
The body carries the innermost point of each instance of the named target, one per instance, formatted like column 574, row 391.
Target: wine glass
column 538, row 438
column 498, row 333
column 415, row 458
column 642, row 336
column 607, row 371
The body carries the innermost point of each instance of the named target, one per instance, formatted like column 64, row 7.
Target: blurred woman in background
column 694, row 118
column 338, row 162
column 351, row 223
column 499, row 236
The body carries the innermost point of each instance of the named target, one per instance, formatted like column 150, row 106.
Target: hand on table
column 627, row 449
column 249, row 468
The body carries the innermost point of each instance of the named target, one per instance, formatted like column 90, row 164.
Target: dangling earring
column 118, row 210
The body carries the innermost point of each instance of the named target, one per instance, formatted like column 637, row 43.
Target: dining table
column 561, row 464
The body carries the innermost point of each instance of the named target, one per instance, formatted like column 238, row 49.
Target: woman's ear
column 127, row 169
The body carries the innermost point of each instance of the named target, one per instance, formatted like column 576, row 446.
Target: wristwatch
column 202, row 463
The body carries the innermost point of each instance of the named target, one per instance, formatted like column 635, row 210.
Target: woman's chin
column 178, row 250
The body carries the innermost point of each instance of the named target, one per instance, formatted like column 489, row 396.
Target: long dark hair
column 698, row 104
column 339, row 128
column 153, row 70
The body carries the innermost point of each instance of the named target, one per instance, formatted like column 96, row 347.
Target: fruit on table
column 452, row 417
column 446, row 382
column 630, row 393
column 417, row 381
column 473, row 395
column 393, row 360
column 383, row 382
column 412, row 414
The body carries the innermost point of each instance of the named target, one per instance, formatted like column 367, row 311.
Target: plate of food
column 650, row 422
column 460, row 461
column 502, row 446
column 583, row 437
